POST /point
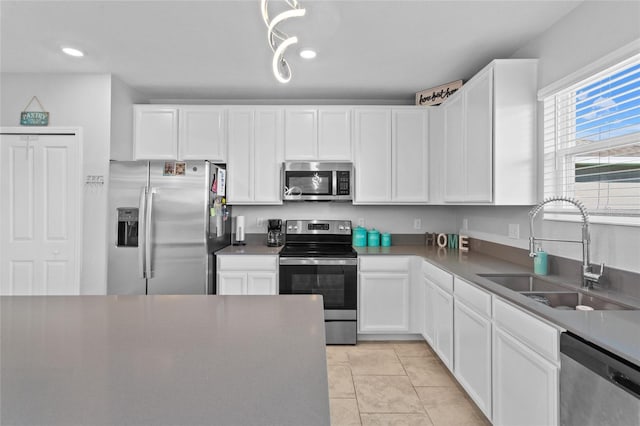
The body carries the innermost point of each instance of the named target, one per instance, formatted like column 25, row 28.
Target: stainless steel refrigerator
column 161, row 233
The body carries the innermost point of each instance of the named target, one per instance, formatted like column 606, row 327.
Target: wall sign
column 34, row 118
column 437, row 95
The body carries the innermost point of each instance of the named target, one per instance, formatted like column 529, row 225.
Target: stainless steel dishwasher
column 596, row 386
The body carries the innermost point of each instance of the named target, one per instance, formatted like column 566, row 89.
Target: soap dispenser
column 540, row 262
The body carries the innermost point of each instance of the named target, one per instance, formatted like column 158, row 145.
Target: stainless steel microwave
column 317, row 181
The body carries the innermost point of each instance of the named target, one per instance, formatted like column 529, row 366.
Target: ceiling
column 218, row 50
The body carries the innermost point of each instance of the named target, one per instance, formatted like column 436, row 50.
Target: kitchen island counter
column 160, row 360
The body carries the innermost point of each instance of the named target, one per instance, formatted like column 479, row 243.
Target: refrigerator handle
column 149, row 227
column 142, row 226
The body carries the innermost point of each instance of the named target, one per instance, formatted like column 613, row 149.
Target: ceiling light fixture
column 278, row 40
column 73, row 52
column 307, row 53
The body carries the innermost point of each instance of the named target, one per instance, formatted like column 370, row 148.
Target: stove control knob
column 341, row 228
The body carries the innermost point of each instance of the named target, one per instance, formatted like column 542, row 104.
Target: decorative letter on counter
column 464, row 243
column 441, row 240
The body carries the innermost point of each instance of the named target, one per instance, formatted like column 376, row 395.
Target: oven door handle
column 320, row 261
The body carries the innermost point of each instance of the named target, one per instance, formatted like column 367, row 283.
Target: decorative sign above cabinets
column 437, row 95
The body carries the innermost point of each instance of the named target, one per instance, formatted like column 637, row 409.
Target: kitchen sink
column 558, row 296
column 571, row 299
column 524, row 282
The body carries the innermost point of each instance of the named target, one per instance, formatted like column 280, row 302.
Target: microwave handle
column 334, row 182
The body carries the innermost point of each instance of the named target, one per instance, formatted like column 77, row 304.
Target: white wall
column 122, row 100
column 591, row 31
column 393, row 219
column 74, row 100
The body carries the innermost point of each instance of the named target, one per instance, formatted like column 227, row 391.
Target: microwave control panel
column 344, row 179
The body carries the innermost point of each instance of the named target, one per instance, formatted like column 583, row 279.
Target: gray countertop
column 250, row 249
column 163, row 360
column 616, row 331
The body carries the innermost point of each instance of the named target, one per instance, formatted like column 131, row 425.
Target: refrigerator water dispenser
column 127, row 227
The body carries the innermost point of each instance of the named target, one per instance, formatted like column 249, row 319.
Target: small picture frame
column 180, row 168
column 169, row 168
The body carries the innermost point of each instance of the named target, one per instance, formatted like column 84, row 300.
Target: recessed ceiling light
column 73, row 52
column 308, row 53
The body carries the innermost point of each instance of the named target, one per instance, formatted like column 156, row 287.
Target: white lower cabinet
column 247, row 275
column 525, row 368
column 443, row 325
column 472, row 354
column 383, row 305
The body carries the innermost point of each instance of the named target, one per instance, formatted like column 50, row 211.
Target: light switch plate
column 514, row 231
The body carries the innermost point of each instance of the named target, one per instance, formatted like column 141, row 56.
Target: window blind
column 592, row 142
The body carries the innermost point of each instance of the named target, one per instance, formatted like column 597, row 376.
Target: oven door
column 335, row 279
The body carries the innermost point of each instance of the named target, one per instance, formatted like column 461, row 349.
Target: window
column 592, row 142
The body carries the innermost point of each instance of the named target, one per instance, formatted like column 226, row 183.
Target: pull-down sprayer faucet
column 589, row 278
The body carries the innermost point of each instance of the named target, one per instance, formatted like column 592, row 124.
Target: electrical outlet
column 361, row 221
column 465, row 224
column 260, row 222
column 417, row 223
column 514, row 231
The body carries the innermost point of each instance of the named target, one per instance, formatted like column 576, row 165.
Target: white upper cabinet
column 391, row 155
column 169, row 132
column 489, row 139
column 255, row 156
column 155, row 132
column 202, row 133
column 313, row 134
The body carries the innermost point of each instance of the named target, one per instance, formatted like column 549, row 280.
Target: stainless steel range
column 318, row 259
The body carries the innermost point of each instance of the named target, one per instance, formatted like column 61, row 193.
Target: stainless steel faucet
column 589, row 278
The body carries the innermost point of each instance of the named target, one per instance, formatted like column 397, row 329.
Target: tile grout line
column 412, row 385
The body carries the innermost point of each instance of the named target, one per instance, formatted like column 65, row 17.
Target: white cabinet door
column 40, row 211
column 384, row 302
column 409, row 153
column 155, row 133
column 301, row 134
column 454, row 163
column 525, row 385
column 479, row 137
column 429, row 319
column 241, row 165
column 472, row 354
column 267, row 156
column 443, row 325
column 261, row 283
column 255, row 156
column 232, row 283
column 202, row 133
column 334, row 134
column 372, row 155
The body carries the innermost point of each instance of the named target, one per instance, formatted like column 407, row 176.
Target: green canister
column 373, row 238
column 385, row 239
column 359, row 237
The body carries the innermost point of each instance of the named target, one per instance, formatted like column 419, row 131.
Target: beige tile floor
column 395, row 383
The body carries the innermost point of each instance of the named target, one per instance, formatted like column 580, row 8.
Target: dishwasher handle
column 624, row 382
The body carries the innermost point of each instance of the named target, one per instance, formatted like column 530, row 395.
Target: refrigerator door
column 127, row 181
column 178, row 213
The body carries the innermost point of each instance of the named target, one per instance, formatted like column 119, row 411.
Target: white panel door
column 232, row 283
column 301, row 134
column 429, row 317
column 268, row 156
column 472, row 354
column 155, row 132
column 479, row 138
column 261, row 283
column 202, row 131
column 525, row 385
column 373, row 155
column 443, row 325
column 409, row 155
column 241, row 165
column 455, row 184
column 39, row 214
column 384, row 302
column 334, row 134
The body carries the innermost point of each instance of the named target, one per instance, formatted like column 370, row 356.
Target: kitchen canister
column 385, row 239
column 373, row 238
column 359, row 237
